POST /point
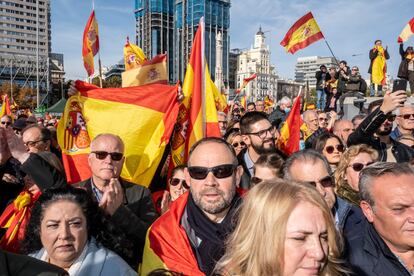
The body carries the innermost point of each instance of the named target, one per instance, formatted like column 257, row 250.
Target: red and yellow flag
column 198, row 114
column 289, row 139
column 304, row 32
column 243, row 102
column 5, row 107
column 379, row 67
column 149, row 72
column 133, row 56
column 90, row 45
column 407, row 31
column 246, row 82
column 268, row 102
column 142, row 116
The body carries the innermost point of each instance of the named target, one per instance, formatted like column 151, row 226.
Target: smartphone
column 399, row 84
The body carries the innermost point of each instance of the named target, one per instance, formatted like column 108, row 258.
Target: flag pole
column 329, row 47
column 100, row 69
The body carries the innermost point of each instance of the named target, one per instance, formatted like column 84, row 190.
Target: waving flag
column 90, row 43
column 246, row 82
column 289, row 139
column 198, row 114
column 142, row 116
column 150, row 71
column 5, row 107
column 133, row 56
column 407, row 31
column 304, row 32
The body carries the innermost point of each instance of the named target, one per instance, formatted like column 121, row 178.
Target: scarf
column 213, row 235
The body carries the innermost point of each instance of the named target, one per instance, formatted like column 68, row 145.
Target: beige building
column 306, row 68
column 257, row 60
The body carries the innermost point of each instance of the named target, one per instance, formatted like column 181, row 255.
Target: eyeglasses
column 33, row 143
column 221, row 171
column 359, row 166
column 236, row 144
column 325, row 182
column 175, row 181
column 255, row 180
column 405, row 116
column 262, row 133
column 101, row 155
column 330, row 149
column 6, row 123
column 391, row 117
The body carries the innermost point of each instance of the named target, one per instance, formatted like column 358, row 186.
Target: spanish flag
column 289, row 139
column 243, row 102
column 268, row 102
column 149, row 72
column 143, row 116
column 90, row 43
column 133, row 56
column 246, row 82
column 5, row 107
column 379, row 67
column 198, row 114
column 304, row 32
column 167, row 245
column 407, row 31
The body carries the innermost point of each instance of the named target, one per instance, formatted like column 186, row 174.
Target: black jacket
column 320, row 79
column 341, row 80
column 373, row 54
column 21, row 265
column 364, row 134
column 403, row 69
column 134, row 217
column 368, row 255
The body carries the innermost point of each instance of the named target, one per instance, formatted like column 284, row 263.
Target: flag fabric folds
column 149, row 72
column 90, row 45
column 304, row 32
column 133, row 56
column 198, row 114
column 243, row 102
column 167, row 245
column 5, row 107
column 407, row 31
column 246, row 82
column 289, row 139
column 379, row 67
column 142, row 116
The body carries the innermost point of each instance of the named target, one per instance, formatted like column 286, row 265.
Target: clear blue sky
column 351, row 27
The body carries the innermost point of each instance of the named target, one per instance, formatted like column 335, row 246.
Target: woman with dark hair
column 330, row 146
column 69, row 230
column 406, row 69
column 267, row 167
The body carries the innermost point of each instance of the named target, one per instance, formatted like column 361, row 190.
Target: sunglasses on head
column 325, row 182
column 175, row 181
column 6, row 123
column 101, row 155
column 221, row 171
column 407, row 116
column 330, row 149
column 359, row 166
column 236, row 144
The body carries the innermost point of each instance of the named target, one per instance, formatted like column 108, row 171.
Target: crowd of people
column 341, row 205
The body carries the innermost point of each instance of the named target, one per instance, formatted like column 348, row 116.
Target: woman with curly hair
column 69, row 230
column 284, row 228
column 354, row 159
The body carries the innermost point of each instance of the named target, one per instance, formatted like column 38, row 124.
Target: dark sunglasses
column 236, row 144
column 255, row 180
column 330, row 149
column 221, row 171
column 101, row 155
column 325, row 182
column 6, row 123
column 391, row 118
column 175, row 181
column 359, row 166
column 405, row 116
column 33, row 143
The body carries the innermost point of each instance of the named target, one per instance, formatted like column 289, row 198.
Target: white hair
column 285, row 100
column 406, row 105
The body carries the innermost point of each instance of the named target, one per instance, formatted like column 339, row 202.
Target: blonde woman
column 353, row 160
column 284, row 228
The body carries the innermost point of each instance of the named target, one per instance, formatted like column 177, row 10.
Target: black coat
column 21, row 265
column 373, row 54
column 368, row 255
column 319, row 79
column 277, row 117
column 364, row 134
column 403, row 69
column 341, row 80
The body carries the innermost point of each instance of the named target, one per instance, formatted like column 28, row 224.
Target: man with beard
column 376, row 128
column 259, row 136
column 189, row 238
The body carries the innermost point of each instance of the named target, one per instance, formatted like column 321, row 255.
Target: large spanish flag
column 289, row 139
column 90, row 45
column 379, row 67
column 304, row 32
column 149, row 72
column 5, row 107
column 142, row 116
column 167, row 245
column 133, row 56
column 198, row 113
column 407, row 31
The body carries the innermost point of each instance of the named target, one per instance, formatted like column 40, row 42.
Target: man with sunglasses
column 311, row 167
column 129, row 205
column 376, row 128
column 6, row 121
column 405, row 122
column 190, row 237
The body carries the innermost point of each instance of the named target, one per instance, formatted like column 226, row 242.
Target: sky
column 349, row 26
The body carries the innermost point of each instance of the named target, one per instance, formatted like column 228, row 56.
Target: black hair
column 250, row 118
column 98, row 224
column 344, row 62
column 320, row 142
column 378, row 40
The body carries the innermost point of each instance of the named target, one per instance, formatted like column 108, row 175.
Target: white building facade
column 306, row 68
